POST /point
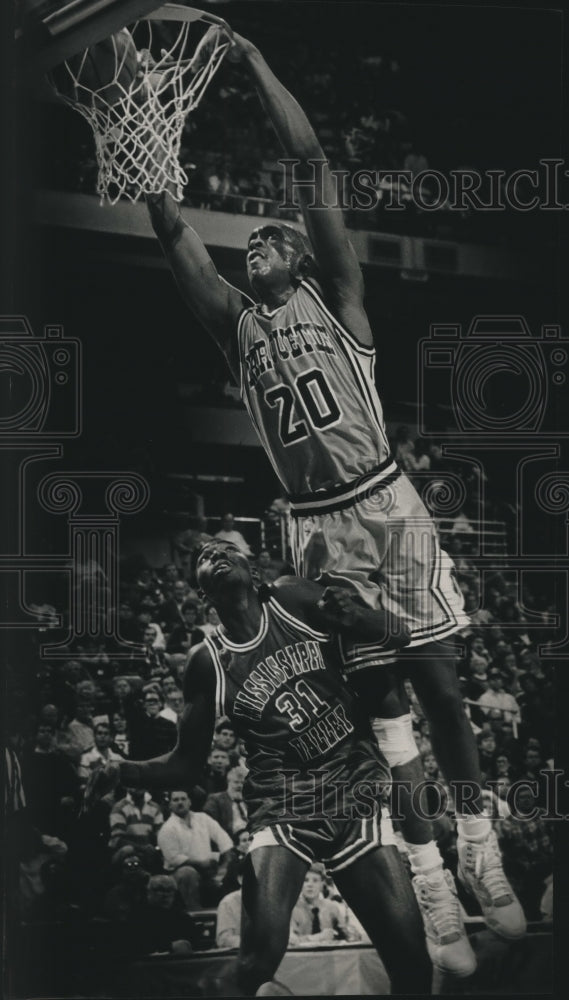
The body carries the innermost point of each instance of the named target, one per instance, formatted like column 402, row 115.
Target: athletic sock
column 424, row 858
column 388, row 835
column 474, row 828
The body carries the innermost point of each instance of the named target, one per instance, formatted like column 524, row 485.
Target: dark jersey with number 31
column 308, row 738
column 308, row 385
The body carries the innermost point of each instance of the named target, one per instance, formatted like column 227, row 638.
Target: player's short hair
column 304, row 265
column 296, row 238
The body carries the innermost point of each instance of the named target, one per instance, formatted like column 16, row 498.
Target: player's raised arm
column 335, row 256
column 214, row 302
column 182, row 767
column 338, row 609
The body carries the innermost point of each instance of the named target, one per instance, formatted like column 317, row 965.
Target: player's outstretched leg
column 378, row 890
column 480, row 865
column 447, row 941
column 272, row 879
column 433, row 885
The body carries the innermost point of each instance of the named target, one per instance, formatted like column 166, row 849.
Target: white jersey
column 356, row 520
column 308, row 385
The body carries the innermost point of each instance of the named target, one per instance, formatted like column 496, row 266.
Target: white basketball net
column 138, row 136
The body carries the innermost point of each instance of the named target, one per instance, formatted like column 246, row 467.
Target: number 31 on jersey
column 303, row 707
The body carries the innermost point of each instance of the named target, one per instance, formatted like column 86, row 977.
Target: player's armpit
column 348, row 309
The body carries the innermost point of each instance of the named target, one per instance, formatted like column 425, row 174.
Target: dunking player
column 304, row 358
column 314, row 765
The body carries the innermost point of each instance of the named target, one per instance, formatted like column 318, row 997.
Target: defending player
column 304, row 358
column 314, row 766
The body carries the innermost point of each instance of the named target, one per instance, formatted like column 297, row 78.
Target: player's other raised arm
column 214, row 302
column 183, row 766
column 335, row 256
column 340, row 610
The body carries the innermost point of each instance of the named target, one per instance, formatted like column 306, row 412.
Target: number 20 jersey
column 309, row 388
column 306, row 735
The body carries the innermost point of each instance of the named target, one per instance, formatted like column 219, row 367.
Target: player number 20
column 312, row 397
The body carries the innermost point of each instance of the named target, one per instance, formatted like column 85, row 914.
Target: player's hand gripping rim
column 241, row 48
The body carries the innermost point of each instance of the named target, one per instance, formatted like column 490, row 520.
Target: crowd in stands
column 148, row 861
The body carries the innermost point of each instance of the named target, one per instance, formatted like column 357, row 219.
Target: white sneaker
column 273, row 989
column 447, row 943
column 480, row 871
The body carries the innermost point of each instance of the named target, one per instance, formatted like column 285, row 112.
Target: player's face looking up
column 221, row 564
column 274, row 254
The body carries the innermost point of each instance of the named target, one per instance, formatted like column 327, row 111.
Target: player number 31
column 296, row 705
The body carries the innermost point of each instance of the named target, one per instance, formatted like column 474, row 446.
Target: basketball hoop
column 137, row 114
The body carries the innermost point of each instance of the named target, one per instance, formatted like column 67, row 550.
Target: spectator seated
column 195, row 849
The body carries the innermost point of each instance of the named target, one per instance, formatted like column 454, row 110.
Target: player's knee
column 447, row 708
column 395, row 739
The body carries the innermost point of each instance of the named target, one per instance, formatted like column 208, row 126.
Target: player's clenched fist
column 339, row 606
column 102, row 781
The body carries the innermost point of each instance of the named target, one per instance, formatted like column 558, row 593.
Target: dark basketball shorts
column 337, row 843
